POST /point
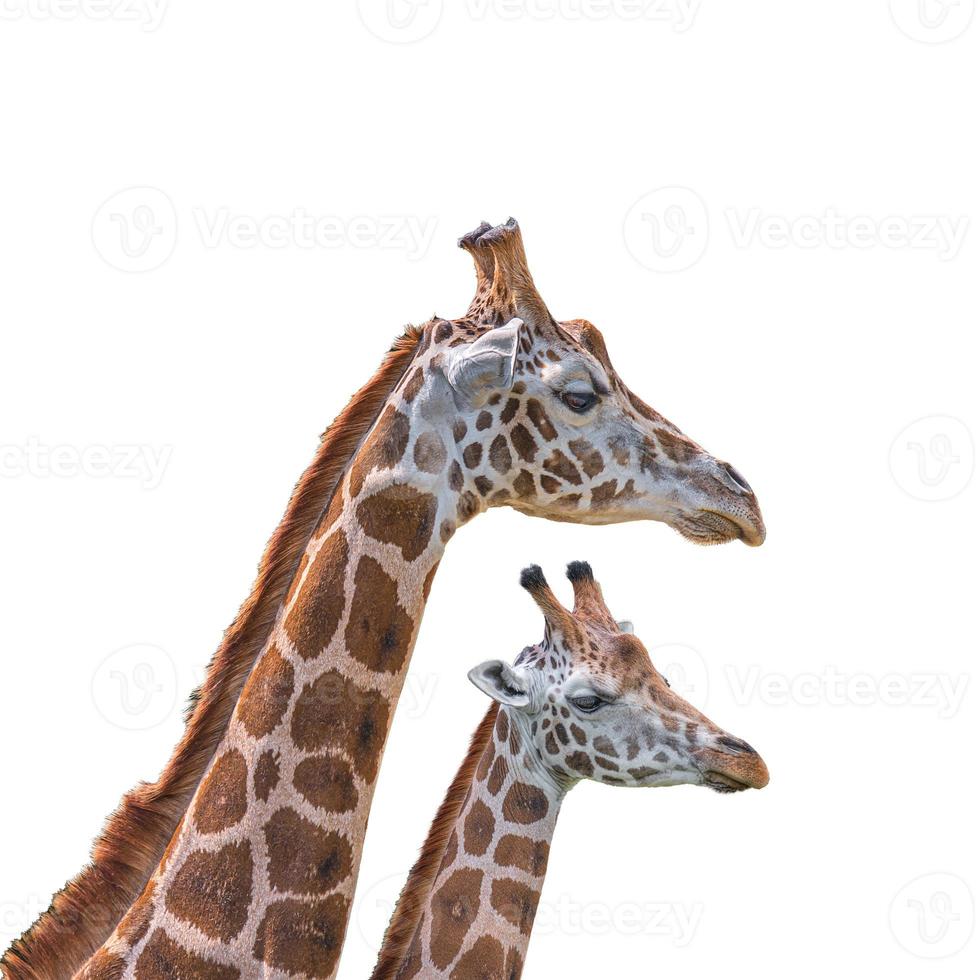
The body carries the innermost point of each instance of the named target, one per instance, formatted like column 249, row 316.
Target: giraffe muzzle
column 732, row 767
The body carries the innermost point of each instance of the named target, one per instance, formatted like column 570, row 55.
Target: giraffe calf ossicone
column 584, row 703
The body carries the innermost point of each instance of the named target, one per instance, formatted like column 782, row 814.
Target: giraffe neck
column 477, row 918
column 263, row 867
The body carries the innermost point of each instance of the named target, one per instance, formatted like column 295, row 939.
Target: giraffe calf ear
column 625, row 626
column 478, row 370
column 503, row 683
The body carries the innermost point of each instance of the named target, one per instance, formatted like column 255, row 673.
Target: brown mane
column 84, row 913
column 408, row 911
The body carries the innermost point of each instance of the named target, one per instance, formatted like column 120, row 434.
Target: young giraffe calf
column 585, row 703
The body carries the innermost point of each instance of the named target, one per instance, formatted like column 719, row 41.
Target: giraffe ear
column 625, row 626
column 503, row 683
column 486, row 366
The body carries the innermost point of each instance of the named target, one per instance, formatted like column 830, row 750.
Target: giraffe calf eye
column 587, row 704
column 579, row 401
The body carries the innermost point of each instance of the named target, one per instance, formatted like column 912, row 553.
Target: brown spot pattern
column 522, row 852
column 379, row 631
column 677, row 448
column 524, row 484
column 327, row 782
column 401, row 516
column 212, row 890
column 335, row 711
column 515, row 902
column 484, row 960
column 266, row 695
column 313, row 619
column 478, row 828
column 562, row 467
column 510, row 410
column 580, row 762
column 303, row 937
column 163, row 959
column 266, row 777
column 303, row 858
column 454, row 907
column 383, row 448
column 525, row 804
column 221, row 800
column 588, row 456
column 414, row 385
column 523, row 443
column 500, row 457
column 429, row 452
column 542, row 423
column 497, row 775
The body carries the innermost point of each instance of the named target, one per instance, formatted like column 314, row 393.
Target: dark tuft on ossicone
column 578, row 571
column 533, row 578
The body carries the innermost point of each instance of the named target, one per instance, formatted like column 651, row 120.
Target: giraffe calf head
column 588, row 703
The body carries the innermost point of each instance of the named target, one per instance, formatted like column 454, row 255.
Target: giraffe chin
column 721, row 783
column 709, row 527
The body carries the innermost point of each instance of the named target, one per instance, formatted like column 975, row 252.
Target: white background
column 804, row 303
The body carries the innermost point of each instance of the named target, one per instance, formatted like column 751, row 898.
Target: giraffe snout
column 737, row 502
column 731, row 764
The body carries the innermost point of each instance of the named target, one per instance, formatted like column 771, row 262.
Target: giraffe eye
column 588, row 704
column 579, row 401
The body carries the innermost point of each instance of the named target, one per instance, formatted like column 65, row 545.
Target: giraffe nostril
column 735, row 744
column 737, row 477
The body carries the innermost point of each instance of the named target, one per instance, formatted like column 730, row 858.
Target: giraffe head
column 590, row 704
column 542, row 422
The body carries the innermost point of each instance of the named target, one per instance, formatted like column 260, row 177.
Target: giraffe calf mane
column 411, row 900
column 84, row 913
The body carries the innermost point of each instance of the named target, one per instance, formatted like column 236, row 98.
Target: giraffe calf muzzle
column 733, row 766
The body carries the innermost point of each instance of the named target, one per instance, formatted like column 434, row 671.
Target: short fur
column 408, row 911
column 85, row 912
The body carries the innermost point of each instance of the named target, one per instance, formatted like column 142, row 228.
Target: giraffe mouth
column 722, row 783
column 710, row 527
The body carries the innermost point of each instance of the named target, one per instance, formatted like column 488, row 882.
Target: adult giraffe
column 502, row 406
column 584, row 703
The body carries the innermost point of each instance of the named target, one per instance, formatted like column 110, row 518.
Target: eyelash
column 594, row 704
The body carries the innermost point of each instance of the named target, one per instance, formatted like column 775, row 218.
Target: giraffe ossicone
column 584, row 703
column 266, row 798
